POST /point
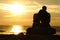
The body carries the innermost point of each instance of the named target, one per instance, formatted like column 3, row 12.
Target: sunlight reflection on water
column 16, row 29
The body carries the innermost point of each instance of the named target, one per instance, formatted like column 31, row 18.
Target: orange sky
column 31, row 7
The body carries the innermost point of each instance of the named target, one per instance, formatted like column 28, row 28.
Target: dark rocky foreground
column 30, row 37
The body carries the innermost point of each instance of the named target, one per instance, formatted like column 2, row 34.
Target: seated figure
column 41, row 23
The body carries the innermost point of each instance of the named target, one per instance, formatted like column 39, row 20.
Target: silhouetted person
column 44, row 15
column 44, row 18
column 41, row 23
column 36, row 21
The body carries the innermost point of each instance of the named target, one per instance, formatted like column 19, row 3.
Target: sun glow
column 16, row 29
column 15, row 9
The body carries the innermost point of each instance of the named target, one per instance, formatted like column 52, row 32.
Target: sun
column 15, row 8
column 16, row 29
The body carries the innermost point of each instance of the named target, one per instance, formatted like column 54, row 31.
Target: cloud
column 53, row 8
column 33, row 6
column 48, row 2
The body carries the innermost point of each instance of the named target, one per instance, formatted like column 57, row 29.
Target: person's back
column 44, row 17
column 36, row 21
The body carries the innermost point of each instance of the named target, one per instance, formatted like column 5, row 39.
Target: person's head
column 44, row 8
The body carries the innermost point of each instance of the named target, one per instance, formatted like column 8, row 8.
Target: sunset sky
column 21, row 11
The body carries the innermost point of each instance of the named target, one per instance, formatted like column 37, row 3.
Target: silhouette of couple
column 42, row 18
column 41, row 23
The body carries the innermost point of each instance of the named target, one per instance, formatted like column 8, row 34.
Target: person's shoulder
column 35, row 14
column 40, row 10
column 48, row 14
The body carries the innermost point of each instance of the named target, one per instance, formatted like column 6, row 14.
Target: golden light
column 16, row 29
column 15, row 8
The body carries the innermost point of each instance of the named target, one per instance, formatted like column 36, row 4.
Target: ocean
column 16, row 29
